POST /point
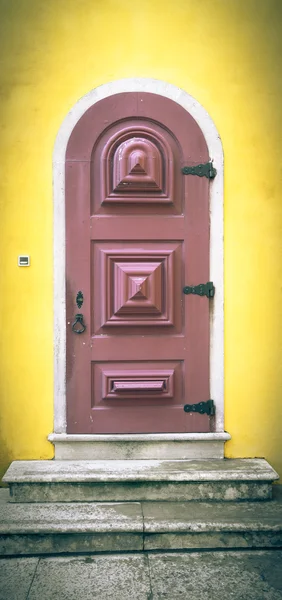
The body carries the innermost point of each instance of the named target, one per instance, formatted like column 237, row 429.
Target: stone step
column 136, row 446
column 70, row 528
column 140, row 480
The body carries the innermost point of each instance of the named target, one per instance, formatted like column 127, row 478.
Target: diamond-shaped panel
column 136, row 288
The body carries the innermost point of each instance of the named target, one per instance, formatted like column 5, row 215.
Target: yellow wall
column 228, row 55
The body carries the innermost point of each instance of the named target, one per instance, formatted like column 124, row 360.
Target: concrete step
column 140, row 480
column 60, row 528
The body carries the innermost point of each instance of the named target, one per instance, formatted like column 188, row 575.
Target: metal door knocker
column 78, row 319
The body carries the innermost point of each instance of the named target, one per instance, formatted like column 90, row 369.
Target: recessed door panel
column 124, row 383
column 133, row 169
column 137, row 282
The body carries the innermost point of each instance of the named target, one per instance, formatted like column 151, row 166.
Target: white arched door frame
column 216, row 247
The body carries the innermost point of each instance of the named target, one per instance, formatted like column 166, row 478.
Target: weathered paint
column 227, row 54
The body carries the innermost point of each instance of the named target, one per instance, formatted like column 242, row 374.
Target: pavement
column 232, row 575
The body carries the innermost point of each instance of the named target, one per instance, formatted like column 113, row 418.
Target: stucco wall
column 228, row 55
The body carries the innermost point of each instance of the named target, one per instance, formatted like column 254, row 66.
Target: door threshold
column 139, row 446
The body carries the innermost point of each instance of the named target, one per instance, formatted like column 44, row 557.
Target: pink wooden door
column 137, row 232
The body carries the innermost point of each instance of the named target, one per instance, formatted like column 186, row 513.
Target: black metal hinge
column 203, row 170
column 204, row 408
column 203, row 289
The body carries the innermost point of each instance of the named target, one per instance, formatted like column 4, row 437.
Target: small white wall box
column 23, row 260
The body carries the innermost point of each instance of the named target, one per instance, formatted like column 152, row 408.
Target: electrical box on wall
column 23, row 260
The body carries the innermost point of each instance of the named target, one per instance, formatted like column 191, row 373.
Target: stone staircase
column 124, row 506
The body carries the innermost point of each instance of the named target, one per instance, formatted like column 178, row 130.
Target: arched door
column 137, row 232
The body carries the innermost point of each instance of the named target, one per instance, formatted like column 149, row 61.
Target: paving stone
column 16, row 575
column 217, row 576
column 255, row 575
column 90, row 577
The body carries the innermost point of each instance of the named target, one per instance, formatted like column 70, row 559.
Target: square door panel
column 135, row 383
column 135, row 286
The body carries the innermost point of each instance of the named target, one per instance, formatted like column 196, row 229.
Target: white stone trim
column 139, row 437
column 216, row 234
column 152, row 446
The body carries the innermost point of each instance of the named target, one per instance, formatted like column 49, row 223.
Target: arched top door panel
column 119, row 107
column 131, row 152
